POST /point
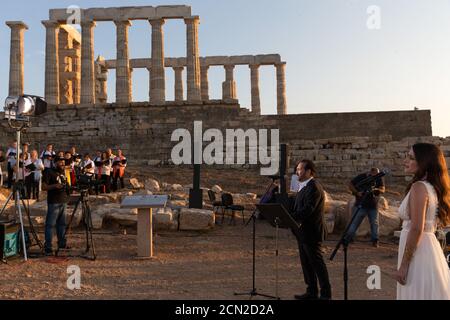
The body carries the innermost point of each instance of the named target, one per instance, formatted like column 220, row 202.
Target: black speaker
column 196, row 199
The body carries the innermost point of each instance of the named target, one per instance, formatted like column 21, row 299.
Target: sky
column 342, row 55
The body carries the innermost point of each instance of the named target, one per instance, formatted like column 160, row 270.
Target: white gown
column 428, row 275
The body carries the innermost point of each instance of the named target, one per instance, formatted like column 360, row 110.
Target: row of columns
column 123, row 73
column 197, row 76
column 229, row 85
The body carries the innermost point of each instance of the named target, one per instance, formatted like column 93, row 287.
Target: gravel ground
column 188, row 265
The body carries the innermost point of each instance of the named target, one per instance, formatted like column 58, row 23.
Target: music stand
column 277, row 215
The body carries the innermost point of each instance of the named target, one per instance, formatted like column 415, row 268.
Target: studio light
column 19, row 108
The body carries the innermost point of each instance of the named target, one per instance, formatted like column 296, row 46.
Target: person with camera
column 55, row 183
column 367, row 197
column 308, row 211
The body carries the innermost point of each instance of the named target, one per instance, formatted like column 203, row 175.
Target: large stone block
column 196, row 219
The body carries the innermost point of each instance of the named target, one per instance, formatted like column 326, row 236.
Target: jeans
column 372, row 214
column 56, row 217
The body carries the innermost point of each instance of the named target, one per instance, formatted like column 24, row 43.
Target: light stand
column 18, row 187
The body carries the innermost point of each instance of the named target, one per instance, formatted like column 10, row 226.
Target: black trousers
column 314, row 269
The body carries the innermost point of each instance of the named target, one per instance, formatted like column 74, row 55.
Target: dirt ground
column 192, row 265
column 188, row 265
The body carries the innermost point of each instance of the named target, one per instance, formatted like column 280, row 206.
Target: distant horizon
column 365, row 55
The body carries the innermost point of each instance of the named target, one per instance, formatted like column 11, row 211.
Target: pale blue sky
column 335, row 63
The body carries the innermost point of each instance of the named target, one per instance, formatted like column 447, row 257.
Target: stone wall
column 144, row 132
column 342, row 157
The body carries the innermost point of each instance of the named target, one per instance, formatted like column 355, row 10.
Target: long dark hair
column 432, row 167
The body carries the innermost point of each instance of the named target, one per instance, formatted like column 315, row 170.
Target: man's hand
column 58, row 186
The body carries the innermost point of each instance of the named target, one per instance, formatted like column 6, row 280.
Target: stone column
column 254, row 75
column 193, row 60
column 51, row 62
column 77, row 69
column 123, row 76
column 87, row 62
column 65, row 67
column 101, row 81
column 157, row 74
column 178, row 83
column 229, row 86
column 281, row 88
column 16, row 57
column 204, row 82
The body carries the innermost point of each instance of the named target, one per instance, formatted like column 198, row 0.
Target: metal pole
column 18, row 195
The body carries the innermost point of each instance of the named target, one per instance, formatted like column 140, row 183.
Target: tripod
column 254, row 292
column 16, row 194
column 344, row 242
column 86, row 220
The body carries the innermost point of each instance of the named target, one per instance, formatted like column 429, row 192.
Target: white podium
column 145, row 204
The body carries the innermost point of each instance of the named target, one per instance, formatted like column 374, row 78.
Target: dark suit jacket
column 309, row 212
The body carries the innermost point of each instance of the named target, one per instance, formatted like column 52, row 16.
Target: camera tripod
column 86, row 220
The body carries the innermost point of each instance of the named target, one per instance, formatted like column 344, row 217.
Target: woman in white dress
column 423, row 273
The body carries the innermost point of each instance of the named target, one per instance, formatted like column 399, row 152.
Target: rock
column 152, row 185
column 252, row 196
column 388, row 221
column 383, row 204
column 97, row 221
column 177, row 203
column 99, row 200
column 179, row 196
column 176, row 187
column 124, row 220
column 162, row 219
column 153, row 163
column 196, row 219
column 113, row 211
column 144, row 192
column 217, row 189
column 135, row 183
column 165, row 186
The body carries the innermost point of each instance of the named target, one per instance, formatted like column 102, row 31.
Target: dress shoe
column 375, row 244
column 306, row 296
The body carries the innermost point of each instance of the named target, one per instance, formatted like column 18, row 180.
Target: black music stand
column 277, row 215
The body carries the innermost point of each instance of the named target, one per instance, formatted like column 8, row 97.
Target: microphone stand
column 254, row 292
column 344, row 242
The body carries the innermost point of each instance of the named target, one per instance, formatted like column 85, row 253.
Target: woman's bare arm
column 418, row 201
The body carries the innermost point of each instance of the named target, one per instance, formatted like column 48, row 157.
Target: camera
column 368, row 183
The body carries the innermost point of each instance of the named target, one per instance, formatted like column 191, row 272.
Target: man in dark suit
column 308, row 211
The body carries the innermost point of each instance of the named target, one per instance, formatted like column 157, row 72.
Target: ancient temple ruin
column 73, row 76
